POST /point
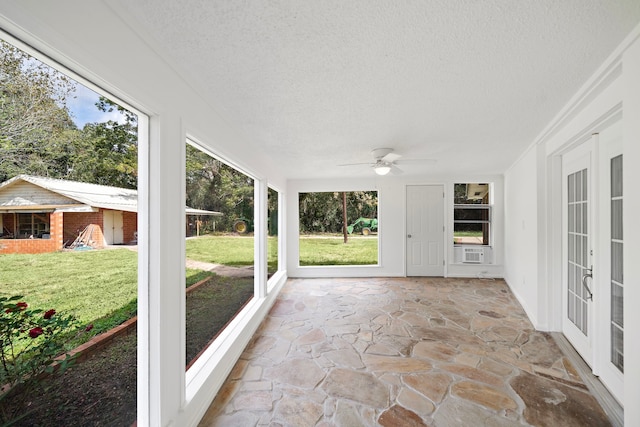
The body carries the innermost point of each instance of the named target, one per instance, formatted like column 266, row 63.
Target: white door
column 593, row 283
column 577, row 318
column 113, row 225
column 610, row 280
column 425, row 230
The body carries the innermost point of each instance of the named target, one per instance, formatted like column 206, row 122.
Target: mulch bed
column 101, row 389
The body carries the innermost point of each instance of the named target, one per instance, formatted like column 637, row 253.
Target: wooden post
column 344, row 216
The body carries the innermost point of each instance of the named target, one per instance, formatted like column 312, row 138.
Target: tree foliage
column 33, row 114
column 322, row 212
column 107, row 153
column 38, row 136
column 215, row 186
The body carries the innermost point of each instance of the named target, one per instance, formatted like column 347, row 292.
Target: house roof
column 78, row 196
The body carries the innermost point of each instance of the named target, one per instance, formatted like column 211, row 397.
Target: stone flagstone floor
column 401, row 352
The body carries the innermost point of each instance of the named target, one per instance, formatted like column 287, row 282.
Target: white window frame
column 489, row 221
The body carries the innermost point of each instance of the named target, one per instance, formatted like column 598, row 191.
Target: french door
column 593, row 247
column 577, row 319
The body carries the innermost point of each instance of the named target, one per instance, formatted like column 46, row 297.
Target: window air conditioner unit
column 473, row 255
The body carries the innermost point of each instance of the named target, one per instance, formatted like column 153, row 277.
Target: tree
column 33, row 113
column 107, row 153
column 38, row 137
column 212, row 185
column 323, row 212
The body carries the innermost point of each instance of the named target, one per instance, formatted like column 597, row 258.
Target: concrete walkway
column 222, row 270
column 401, row 352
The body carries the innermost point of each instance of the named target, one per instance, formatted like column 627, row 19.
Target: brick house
column 40, row 215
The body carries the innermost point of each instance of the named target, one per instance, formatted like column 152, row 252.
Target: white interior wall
column 611, row 95
column 392, row 229
column 521, row 232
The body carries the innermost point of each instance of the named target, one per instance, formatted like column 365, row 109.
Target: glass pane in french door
column 578, row 248
column 617, row 324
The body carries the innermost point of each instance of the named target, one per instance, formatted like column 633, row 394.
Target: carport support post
column 344, row 216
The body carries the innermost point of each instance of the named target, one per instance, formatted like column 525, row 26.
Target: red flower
column 89, row 327
column 36, row 332
column 20, row 306
column 49, row 314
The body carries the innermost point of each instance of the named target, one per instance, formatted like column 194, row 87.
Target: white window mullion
column 260, row 194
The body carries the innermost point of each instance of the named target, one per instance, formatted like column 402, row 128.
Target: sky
column 81, row 103
column 83, row 109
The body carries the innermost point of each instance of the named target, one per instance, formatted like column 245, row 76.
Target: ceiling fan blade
column 357, row 164
column 391, row 157
column 417, row 161
column 396, row 170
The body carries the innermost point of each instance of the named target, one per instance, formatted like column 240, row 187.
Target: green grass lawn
column 98, row 287
column 331, row 250
column 314, row 250
column 234, row 251
column 467, row 234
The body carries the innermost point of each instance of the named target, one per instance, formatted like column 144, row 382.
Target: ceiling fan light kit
column 382, row 169
column 385, row 161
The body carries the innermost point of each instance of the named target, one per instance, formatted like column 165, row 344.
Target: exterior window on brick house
column 33, row 225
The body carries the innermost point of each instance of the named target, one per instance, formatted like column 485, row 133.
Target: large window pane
column 272, row 228
column 69, row 153
column 338, row 228
column 220, row 255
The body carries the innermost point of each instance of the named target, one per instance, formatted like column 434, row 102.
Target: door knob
column 409, row 236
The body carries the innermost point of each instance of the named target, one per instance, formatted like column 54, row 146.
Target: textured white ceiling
column 315, row 84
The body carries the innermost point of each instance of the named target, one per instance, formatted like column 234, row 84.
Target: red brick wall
column 65, row 228
column 129, row 226
column 27, row 246
column 34, row 246
column 75, row 222
column 56, row 229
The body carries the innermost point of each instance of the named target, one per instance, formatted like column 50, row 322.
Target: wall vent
column 473, row 255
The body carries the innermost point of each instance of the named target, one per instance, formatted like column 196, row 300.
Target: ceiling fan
column 385, row 161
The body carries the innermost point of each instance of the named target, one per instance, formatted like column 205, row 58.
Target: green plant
column 90, row 284
column 30, row 342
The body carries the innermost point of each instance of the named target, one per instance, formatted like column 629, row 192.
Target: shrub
column 30, row 341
